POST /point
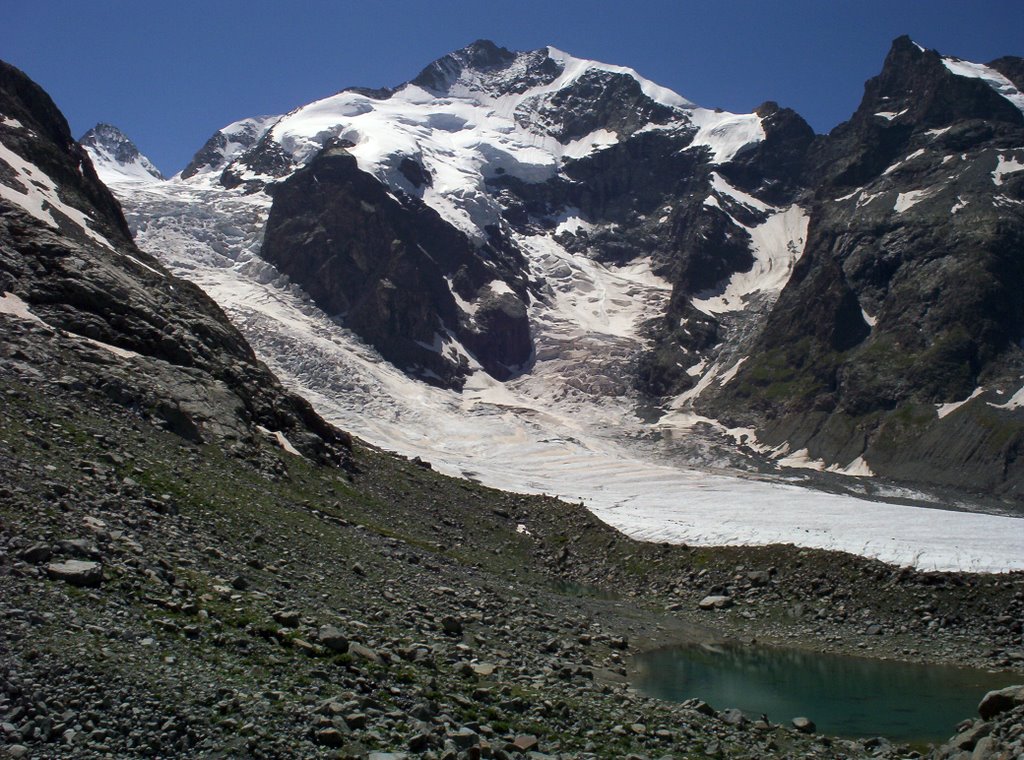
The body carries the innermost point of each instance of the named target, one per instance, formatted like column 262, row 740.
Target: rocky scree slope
column 165, row 598
column 148, row 340
column 169, row 598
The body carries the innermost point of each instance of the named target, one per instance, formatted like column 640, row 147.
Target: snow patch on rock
column 41, row 197
column 989, row 76
column 12, row 305
column 1005, row 166
column 777, row 244
column 944, row 410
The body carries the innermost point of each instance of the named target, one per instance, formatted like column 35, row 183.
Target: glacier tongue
column 566, row 429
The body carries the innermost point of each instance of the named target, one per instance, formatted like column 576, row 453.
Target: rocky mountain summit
column 898, row 337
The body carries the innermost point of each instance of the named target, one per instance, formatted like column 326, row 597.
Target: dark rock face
column 221, row 147
column 774, row 168
column 180, row 360
column 914, row 93
column 500, row 337
column 384, row 268
column 265, row 158
column 908, row 294
column 597, row 100
column 1012, row 68
column 485, row 58
column 47, row 139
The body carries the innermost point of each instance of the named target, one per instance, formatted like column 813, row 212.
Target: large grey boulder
column 77, row 572
column 997, row 702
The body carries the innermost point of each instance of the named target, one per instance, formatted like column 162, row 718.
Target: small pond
column 844, row 696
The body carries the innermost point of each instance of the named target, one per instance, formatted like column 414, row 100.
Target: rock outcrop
column 151, row 341
column 907, row 297
column 393, row 271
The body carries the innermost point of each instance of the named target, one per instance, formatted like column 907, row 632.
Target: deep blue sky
column 171, row 73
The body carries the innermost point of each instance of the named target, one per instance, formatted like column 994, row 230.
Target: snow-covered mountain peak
column 485, row 68
column 115, row 157
column 655, row 92
column 473, row 115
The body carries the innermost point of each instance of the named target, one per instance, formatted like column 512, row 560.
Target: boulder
column 759, row 577
column 525, row 743
column 364, row 653
column 715, row 602
column 451, row 625
column 76, row 572
column 287, row 618
column 967, row 740
column 804, row 725
column 464, row 738
column 732, row 717
column 330, row 737
column 483, row 669
column 997, row 702
column 333, row 638
column 35, row 554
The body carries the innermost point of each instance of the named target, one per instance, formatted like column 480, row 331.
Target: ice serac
column 115, row 157
column 908, row 296
column 81, row 302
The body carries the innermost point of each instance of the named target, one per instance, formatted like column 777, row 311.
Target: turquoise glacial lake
column 845, row 696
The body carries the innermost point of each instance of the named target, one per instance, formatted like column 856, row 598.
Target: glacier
column 572, row 427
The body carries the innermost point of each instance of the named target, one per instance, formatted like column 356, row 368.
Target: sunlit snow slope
column 465, row 125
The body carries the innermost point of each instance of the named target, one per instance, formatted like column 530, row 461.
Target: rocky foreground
column 164, row 598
